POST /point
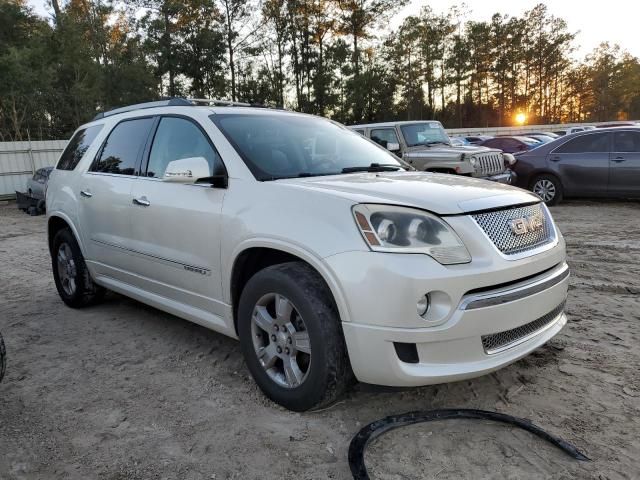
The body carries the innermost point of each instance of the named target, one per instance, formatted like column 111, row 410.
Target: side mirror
column 393, row 147
column 187, row 170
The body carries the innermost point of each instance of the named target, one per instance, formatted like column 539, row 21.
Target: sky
column 615, row 21
column 596, row 21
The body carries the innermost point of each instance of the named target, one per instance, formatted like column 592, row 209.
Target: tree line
column 336, row 58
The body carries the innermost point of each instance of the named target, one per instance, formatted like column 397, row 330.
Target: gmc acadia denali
column 317, row 248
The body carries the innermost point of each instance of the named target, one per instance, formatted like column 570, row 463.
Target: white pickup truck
column 312, row 245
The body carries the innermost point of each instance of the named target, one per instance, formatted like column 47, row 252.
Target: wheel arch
column 56, row 222
column 534, row 175
column 251, row 257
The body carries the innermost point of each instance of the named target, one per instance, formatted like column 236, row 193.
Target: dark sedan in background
column 594, row 163
column 511, row 144
column 477, row 139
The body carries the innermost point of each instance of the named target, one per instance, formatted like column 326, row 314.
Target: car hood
column 440, row 193
column 455, row 149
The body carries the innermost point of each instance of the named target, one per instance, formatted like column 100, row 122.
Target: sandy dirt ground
column 123, row 391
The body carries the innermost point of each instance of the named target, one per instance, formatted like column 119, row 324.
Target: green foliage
column 329, row 57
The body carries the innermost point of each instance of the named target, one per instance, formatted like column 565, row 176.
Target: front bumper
column 469, row 303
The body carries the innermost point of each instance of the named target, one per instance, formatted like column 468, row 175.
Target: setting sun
column 521, row 118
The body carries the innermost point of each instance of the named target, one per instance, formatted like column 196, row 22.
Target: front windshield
column 424, row 133
column 285, row 146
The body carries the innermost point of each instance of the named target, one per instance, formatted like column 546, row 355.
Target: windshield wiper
column 374, row 167
column 437, row 142
column 298, row 175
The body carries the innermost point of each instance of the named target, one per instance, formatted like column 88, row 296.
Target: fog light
column 423, row 305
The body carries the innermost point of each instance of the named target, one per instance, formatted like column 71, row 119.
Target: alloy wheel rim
column 66, row 269
column 281, row 340
column 545, row 189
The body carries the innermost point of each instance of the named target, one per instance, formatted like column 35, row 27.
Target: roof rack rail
column 221, row 102
column 165, row 102
column 177, row 102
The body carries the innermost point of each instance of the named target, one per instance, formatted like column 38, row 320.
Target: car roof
column 392, row 124
column 188, row 111
column 193, row 104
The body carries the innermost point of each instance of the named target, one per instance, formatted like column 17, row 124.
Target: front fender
column 296, row 250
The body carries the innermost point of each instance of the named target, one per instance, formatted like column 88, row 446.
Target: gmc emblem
column 520, row 226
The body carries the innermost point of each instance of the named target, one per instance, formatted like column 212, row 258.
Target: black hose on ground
column 375, row 429
column 3, row 354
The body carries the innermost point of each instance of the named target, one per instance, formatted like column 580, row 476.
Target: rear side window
column 176, row 139
column 77, row 147
column 123, row 147
column 627, row 141
column 592, row 143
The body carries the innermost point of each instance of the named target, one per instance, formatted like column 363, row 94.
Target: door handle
column 555, row 159
column 142, row 201
column 619, row 159
column 86, row 193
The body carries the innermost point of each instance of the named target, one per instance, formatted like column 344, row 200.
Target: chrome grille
column 498, row 342
column 490, row 163
column 497, row 226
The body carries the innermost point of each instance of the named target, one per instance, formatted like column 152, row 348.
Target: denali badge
column 520, row 226
column 200, row 270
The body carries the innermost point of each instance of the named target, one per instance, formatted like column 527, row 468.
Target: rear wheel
column 73, row 280
column 548, row 188
column 291, row 337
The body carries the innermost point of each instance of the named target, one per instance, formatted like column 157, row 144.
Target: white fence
column 20, row 160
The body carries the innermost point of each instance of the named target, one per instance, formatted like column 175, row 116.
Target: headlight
column 473, row 161
column 386, row 228
column 509, row 160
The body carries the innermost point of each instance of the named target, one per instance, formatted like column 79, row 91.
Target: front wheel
column 548, row 188
column 291, row 337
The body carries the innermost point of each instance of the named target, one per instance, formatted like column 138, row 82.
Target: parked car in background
column 594, row 163
column 570, row 130
column 546, row 134
column 477, row 139
column 458, row 141
column 37, row 185
column 616, row 124
column 310, row 244
column 540, row 138
column 425, row 146
column 511, row 144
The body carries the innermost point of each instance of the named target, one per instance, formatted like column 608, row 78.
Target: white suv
column 322, row 252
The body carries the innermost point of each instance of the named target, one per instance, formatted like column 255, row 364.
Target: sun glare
column 521, row 118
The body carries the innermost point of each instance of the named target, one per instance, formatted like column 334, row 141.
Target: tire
column 548, row 188
column 73, row 280
column 324, row 373
column 3, row 356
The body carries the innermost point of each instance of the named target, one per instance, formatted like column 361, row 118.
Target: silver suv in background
column 427, row 147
